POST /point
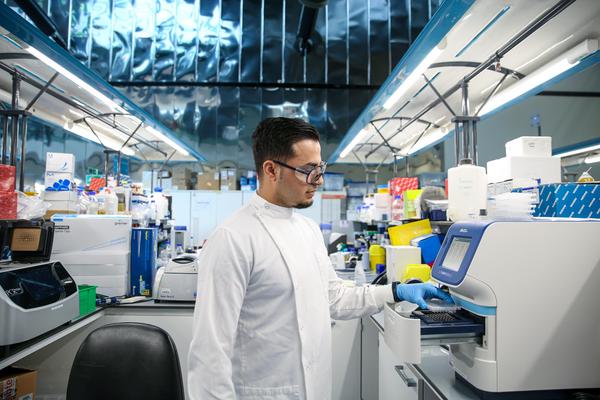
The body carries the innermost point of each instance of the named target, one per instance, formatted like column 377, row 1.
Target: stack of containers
column 8, row 196
column 383, row 204
column 527, row 158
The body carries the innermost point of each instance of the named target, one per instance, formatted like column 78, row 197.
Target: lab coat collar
column 266, row 208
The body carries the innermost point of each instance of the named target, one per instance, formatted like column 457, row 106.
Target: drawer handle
column 408, row 381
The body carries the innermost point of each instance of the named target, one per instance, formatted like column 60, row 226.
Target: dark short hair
column 273, row 139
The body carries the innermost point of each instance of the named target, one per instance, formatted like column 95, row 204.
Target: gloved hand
column 417, row 293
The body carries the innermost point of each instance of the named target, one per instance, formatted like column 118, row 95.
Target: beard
column 305, row 204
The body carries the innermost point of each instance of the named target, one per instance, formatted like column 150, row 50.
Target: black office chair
column 126, row 361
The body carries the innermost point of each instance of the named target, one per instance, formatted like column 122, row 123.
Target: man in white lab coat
column 266, row 289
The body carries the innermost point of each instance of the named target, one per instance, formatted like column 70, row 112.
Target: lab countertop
column 436, row 369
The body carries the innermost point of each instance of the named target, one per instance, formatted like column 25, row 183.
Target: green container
column 87, row 299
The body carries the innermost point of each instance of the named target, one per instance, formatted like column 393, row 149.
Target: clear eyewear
column 312, row 174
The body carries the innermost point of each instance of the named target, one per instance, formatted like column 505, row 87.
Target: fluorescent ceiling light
column 578, row 151
column 412, row 78
column 170, row 142
column 73, row 78
column 357, row 139
column 85, row 133
column 428, row 139
column 592, row 159
column 543, row 53
column 554, row 68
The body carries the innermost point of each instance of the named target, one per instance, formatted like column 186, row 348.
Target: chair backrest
column 126, row 361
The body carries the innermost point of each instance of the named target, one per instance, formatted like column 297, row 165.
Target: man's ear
column 270, row 170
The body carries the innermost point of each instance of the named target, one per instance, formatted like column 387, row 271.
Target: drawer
column 406, row 334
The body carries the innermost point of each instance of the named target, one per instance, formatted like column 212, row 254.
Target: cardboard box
column 60, row 162
column 569, row 200
column 63, row 200
column 228, row 178
column 17, row 384
column 530, row 146
column 53, row 177
column 547, row 169
column 207, row 180
column 7, row 178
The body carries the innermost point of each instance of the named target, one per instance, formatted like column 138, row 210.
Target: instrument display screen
column 456, row 253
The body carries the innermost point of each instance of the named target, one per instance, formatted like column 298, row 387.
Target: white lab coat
column 266, row 295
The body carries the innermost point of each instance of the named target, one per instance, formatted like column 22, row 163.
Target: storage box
column 570, row 200
column 61, row 200
column 398, row 257
column 430, row 246
column 143, row 261
column 87, row 299
column 54, row 177
column 7, row 178
column 8, row 205
column 207, row 180
column 547, row 169
column 228, row 179
column 60, row 162
column 17, row 384
column 400, row 185
column 109, row 271
column 333, row 181
column 91, row 232
column 530, row 146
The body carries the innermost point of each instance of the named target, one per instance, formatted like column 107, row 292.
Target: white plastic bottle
column 111, row 202
column 467, row 191
column 397, row 209
column 92, row 207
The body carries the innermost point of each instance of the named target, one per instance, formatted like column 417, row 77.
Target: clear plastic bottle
column 397, row 208
column 92, row 206
column 359, row 275
column 101, row 197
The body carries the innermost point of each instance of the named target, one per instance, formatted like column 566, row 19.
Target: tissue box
column 570, row 200
column 547, row 169
column 530, row 146
column 8, row 205
column 7, row 178
column 17, row 383
column 60, row 162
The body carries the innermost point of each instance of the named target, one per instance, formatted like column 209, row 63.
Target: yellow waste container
column 376, row 256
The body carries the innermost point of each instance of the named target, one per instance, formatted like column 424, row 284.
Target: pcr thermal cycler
column 34, row 299
column 530, row 298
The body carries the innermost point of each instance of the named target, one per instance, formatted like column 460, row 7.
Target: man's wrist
column 395, row 291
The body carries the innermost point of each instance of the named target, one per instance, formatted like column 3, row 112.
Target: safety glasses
column 310, row 175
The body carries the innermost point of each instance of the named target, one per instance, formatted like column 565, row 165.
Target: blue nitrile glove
column 417, row 293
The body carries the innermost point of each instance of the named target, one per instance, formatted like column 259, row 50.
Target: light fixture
column 167, row 140
column 429, row 138
column 592, row 159
column 73, row 78
column 413, row 77
column 581, row 150
column 554, row 68
column 357, row 139
column 106, row 141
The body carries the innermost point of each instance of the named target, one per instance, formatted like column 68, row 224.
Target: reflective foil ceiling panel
column 212, row 69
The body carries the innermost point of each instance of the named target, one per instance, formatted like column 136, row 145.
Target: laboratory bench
column 52, row 354
column 432, row 379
